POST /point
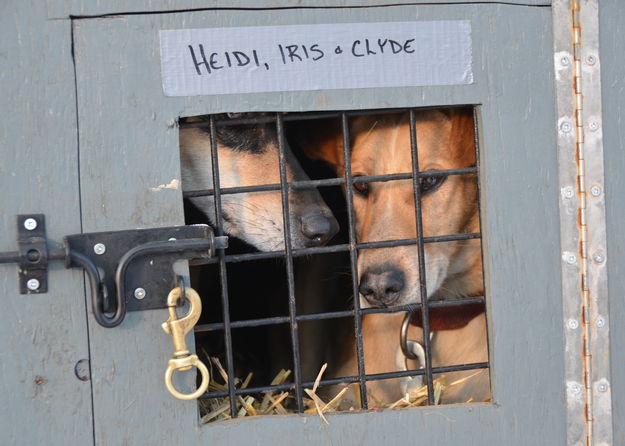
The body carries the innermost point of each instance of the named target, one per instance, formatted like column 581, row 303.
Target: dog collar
column 449, row 318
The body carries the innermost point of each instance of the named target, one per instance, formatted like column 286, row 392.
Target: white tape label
column 315, row 57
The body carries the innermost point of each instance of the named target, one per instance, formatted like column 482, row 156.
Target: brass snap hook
column 178, row 328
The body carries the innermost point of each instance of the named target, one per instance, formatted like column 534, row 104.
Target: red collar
column 449, row 318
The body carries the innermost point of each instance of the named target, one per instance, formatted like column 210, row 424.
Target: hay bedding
column 282, row 402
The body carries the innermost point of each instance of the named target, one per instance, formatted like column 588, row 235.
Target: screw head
column 599, row 257
column 30, row 224
column 573, row 324
column 600, row 322
column 570, row 259
column 565, row 127
column 594, row 125
column 99, row 248
column 603, row 387
column 568, row 192
column 595, row 191
column 565, row 61
column 139, row 293
column 32, row 284
column 576, row 388
column 591, row 60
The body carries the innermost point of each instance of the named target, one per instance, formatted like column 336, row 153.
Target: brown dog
column 380, row 144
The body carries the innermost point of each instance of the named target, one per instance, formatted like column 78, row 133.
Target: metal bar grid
column 352, row 247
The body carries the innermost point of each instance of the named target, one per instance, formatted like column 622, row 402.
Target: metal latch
column 128, row 270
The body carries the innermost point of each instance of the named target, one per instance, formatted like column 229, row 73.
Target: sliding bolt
column 32, row 284
column 30, row 224
column 139, row 293
column 573, row 324
column 99, row 248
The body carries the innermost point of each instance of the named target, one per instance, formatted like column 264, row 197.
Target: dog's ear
column 463, row 136
column 322, row 140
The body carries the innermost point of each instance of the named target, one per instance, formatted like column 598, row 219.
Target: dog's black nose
column 383, row 286
column 318, row 228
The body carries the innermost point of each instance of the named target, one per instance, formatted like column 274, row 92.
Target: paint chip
column 173, row 184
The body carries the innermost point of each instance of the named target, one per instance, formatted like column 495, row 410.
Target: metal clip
column 178, row 328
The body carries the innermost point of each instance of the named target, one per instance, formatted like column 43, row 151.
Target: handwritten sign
column 315, row 57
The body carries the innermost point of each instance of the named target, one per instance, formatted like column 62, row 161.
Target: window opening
column 279, row 303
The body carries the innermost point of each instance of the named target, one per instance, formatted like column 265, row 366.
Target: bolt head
column 33, row 284
column 99, row 248
column 595, row 191
column 30, row 224
column 573, row 324
column 139, row 293
column 171, row 239
column 565, row 127
column 600, row 322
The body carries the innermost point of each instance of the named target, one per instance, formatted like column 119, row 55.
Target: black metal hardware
column 128, row 270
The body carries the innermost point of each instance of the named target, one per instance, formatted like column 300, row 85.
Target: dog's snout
column 318, row 228
column 382, row 286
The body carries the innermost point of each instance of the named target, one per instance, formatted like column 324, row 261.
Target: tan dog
column 380, row 145
column 248, row 156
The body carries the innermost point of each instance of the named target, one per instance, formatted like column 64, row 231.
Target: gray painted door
column 128, row 145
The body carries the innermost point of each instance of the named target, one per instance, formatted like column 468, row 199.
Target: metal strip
column 582, row 220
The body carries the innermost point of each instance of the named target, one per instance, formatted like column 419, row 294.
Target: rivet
column 599, row 257
column 565, row 61
column 590, row 60
column 603, row 387
column 570, row 259
column 32, row 284
column 594, row 125
column 139, row 293
column 573, row 324
column 30, row 224
column 600, row 322
column 568, row 192
column 99, row 248
column 595, row 191
column 565, row 127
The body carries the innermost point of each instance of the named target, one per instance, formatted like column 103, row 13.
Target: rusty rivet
column 81, row 370
column 40, row 380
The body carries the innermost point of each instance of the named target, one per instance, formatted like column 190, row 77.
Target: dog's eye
column 361, row 189
column 430, row 184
